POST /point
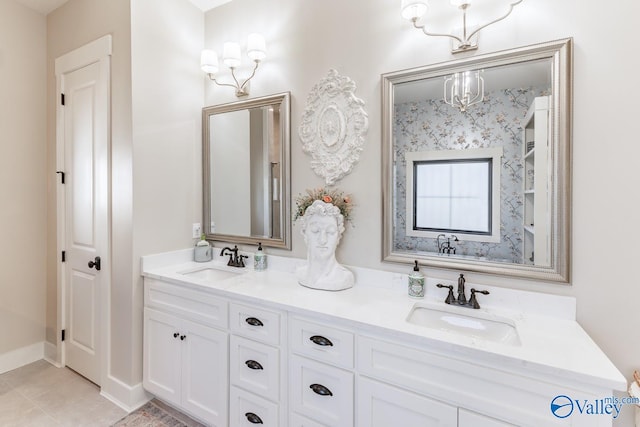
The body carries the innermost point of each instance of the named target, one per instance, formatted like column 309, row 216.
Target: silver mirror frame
column 560, row 53
column 284, row 99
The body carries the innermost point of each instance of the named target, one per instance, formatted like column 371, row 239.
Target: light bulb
column 231, row 54
column 256, row 47
column 209, row 61
column 413, row 9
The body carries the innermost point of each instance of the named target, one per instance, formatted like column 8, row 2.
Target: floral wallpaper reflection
column 496, row 122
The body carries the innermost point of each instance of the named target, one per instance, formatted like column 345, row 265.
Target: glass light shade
column 413, row 9
column 256, row 47
column 231, row 54
column 458, row 3
column 209, row 61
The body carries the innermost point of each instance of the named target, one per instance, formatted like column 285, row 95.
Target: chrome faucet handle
column 450, row 298
column 473, row 301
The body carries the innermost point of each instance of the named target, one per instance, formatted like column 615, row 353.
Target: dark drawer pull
column 320, row 389
column 253, row 418
column 320, row 340
column 252, row 364
column 253, row 321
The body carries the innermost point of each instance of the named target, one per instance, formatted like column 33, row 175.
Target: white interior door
column 86, row 225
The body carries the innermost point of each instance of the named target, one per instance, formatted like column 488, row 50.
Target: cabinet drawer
column 320, row 392
column 255, row 367
column 189, row 303
column 297, row 420
column 246, row 410
column 255, row 323
column 320, row 342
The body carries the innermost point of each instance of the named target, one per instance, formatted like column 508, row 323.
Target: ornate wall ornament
column 333, row 127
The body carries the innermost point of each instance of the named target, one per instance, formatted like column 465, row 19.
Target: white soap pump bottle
column 416, row 282
column 259, row 259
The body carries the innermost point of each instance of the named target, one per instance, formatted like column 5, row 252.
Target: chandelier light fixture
column 414, row 10
column 231, row 57
column 462, row 90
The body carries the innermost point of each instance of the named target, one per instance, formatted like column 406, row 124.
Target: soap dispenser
column 416, row 282
column 259, row 259
column 202, row 251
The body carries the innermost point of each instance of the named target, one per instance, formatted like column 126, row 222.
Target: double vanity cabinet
column 257, row 349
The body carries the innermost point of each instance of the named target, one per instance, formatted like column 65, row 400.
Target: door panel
column 205, row 372
column 86, row 216
column 382, row 405
column 81, row 319
column 162, row 355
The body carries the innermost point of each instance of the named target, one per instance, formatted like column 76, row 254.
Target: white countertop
column 552, row 342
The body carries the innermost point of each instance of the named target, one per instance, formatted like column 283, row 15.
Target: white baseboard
column 125, row 396
column 21, row 356
column 51, row 354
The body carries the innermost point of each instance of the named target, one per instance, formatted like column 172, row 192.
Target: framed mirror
column 476, row 163
column 246, row 171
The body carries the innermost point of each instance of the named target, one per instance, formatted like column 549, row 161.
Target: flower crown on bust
column 333, row 196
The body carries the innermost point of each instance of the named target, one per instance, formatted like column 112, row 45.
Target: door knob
column 95, row 263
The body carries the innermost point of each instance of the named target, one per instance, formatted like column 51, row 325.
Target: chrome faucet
column 235, row 260
column 461, row 300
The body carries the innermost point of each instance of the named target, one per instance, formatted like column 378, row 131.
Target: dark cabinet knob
column 252, row 364
column 176, row 334
column 182, row 337
column 253, row 418
column 253, row 321
column 320, row 389
column 322, row 341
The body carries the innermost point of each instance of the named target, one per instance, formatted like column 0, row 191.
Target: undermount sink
column 470, row 323
column 211, row 274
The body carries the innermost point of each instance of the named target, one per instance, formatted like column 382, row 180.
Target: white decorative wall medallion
column 333, row 127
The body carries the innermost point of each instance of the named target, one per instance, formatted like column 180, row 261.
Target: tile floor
column 41, row 395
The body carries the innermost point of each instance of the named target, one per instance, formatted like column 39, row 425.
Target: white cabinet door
column 162, row 359
column 382, row 405
column 473, row 419
column 204, row 372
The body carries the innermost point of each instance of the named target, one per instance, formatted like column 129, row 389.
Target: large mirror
column 246, row 172
column 476, row 163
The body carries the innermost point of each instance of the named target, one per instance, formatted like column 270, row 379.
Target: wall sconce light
column 462, row 90
column 256, row 51
column 413, row 10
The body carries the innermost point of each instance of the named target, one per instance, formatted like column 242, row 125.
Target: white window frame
column 495, row 153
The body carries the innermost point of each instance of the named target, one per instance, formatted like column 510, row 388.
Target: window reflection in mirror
column 446, row 193
column 453, row 191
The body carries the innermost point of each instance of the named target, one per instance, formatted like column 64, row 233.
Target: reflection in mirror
column 246, row 171
column 480, row 184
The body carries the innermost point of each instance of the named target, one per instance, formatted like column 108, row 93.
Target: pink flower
column 347, row 199
column 327, row 199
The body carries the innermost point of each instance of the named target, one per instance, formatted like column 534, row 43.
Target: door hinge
column 61, row 176
column 62, row 99
column 62, row 335
column 64, row 256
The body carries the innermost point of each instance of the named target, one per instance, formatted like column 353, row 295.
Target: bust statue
column 322, row 228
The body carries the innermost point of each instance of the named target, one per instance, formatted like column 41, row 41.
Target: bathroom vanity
column 232, row 346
